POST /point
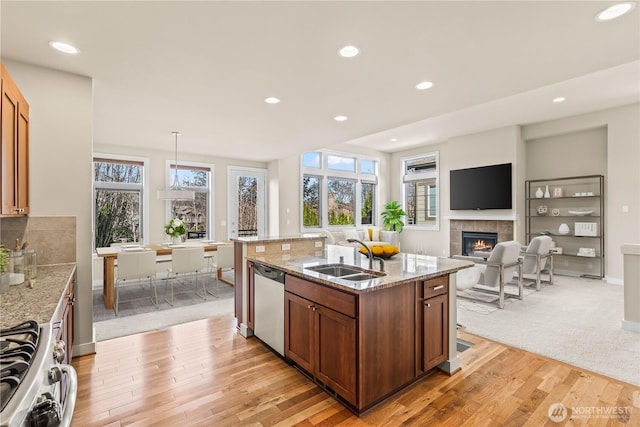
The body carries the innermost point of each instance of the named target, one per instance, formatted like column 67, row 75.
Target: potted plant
column 176, row 229
column 392, row 216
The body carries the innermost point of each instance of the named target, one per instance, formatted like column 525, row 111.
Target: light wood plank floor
column 205, row 374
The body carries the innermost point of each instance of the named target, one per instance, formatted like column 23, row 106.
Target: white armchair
column 535, row 258
column 497, row 270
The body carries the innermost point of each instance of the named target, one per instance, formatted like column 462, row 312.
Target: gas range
column 35, row 389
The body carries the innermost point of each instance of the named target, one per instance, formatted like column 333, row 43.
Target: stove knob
column 55, row 375
column 59, row 350
column 47, row 413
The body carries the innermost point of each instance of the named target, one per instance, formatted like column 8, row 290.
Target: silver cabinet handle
column 438, row 287
column 428, row 305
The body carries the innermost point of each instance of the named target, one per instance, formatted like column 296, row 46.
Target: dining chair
column 495, row 272
column 223, row 259
column 535, row 257
column 134, row 266
column 184, row 262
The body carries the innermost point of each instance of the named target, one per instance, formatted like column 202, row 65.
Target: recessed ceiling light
column 64, row 47
column 559, row 99
column 394, row 139
column 340, row 118
column 424, row 85
column 615, row 11
column 349, row 51
column 272, row 100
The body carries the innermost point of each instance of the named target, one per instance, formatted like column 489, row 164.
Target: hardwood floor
column 205, row 374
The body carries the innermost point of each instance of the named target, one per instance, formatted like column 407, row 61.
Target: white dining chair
column 223, row 260
column 535, row 257
column 135, row 266
column 185, row 262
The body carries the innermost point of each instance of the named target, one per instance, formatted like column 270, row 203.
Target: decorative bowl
column 542, row 210
column 381, row 251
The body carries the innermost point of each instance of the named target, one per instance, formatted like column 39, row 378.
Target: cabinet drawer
column 435, row 287
column 332, row 298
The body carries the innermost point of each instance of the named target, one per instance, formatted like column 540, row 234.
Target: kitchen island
column 364, row 340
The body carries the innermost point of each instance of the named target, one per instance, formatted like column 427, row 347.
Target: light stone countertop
column 400, row 269
column 20, row 303
column 257, row 239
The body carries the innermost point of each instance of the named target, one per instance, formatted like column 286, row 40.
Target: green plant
column 4, row 259
column 392, row 216
column 175, row 228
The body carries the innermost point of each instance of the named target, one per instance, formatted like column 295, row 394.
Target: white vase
column 546, row 193
column 563, row 229
column 539, row 193
column 176, row 240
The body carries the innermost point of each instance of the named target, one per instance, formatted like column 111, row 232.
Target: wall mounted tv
column 486, row 187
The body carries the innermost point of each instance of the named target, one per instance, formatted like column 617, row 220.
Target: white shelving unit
column 577, row 202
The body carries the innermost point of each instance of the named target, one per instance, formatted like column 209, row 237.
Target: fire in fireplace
column 473, row 241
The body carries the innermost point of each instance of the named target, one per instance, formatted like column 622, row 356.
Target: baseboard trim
column 628, row 325
column 450, row 366
column 614, row 281
column 84, row 349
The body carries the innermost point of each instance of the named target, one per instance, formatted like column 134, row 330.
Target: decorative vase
column 539, row 193
column 563, row 229
column 176, row 240
column 546, row 193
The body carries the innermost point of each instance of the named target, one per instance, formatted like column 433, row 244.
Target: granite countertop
column 402, row 268
column 263, row 239
column 19, row 303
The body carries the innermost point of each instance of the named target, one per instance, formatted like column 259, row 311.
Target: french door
column 247, row 202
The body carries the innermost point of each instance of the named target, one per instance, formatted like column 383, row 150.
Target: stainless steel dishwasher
column 268, row 306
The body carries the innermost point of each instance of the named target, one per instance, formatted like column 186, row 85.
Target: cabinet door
column 435, row 337
column 22, row 159
column 8, row 154
column 336, row 351
column 298, row 331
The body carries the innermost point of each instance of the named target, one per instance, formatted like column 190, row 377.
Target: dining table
column 110, row 254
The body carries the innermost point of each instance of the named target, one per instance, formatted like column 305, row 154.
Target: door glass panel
column 247, row 206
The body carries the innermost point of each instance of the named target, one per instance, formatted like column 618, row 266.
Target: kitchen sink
column 336, row 270
column 361, row 276
column 350, row 273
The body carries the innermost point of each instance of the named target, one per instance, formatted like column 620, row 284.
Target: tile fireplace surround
column 457, row 226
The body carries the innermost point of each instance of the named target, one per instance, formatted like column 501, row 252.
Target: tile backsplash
column 52, row 237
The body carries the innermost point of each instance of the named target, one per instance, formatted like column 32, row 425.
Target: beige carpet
column 577, row 321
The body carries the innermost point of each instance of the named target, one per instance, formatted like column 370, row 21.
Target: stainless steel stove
column 35, row 389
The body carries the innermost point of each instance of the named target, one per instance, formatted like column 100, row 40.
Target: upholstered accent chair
column 535, row 257
column 492, row 274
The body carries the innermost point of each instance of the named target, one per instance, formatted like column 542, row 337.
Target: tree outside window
column 311, row 201
column 118, row 201
column 194, row 213
column 341, row 201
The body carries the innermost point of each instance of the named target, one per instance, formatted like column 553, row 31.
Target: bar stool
column 136, row 265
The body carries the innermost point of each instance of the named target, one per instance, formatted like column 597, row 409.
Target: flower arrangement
column 175, row 228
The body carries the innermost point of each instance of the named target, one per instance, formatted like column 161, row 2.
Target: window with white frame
column 420, row 189
column 195, row 213
column 338, row 190
column 118, row 185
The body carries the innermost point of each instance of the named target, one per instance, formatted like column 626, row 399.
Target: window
column 311, row 201
column 420, row 181
column 194, row 213
column 337, row 194
column 118, row 202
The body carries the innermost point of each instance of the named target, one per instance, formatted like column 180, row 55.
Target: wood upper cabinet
column 432, row 323
column 14, row 154
column 319, row 338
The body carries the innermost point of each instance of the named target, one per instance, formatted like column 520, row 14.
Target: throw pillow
column 351, row 234
column 373, row 234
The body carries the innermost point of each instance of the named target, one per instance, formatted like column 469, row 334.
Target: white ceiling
column 204, row 68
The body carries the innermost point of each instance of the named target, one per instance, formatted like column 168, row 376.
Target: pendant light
column 175, row 191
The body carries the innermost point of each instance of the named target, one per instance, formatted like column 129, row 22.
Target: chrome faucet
column 370, row 254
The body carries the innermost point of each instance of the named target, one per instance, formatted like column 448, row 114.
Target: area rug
column 577, row 321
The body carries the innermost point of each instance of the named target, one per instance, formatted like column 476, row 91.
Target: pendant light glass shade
column 175, row 191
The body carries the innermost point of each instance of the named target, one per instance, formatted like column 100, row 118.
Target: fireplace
column 478, row 243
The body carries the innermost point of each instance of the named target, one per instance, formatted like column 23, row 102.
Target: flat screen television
column 486, row 187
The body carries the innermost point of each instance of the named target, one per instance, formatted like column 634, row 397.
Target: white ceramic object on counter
column 563, row 229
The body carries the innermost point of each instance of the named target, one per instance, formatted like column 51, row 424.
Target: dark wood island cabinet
column 363, row 341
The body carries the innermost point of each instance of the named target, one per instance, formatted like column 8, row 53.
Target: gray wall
column 621, row 167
